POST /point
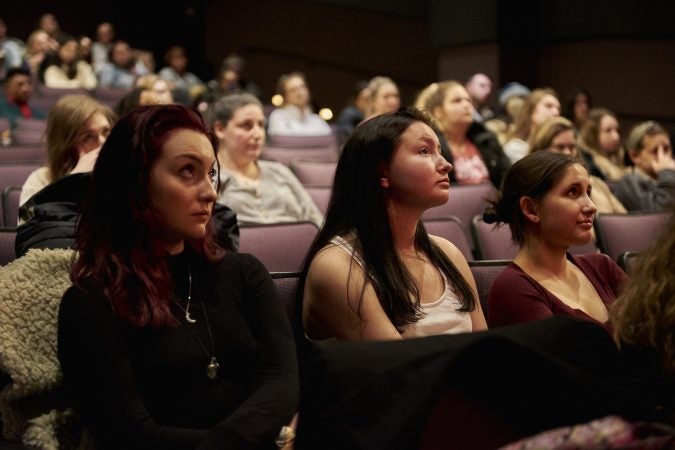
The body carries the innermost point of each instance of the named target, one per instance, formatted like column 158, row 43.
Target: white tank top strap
column 342, row 243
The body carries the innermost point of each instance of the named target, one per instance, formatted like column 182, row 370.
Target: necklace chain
column 213, row 366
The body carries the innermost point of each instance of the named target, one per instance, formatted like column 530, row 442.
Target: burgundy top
column 515, row 297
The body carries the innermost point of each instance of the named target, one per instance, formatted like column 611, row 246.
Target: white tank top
column 439, row 317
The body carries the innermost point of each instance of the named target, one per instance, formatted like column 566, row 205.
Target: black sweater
column 148, row 389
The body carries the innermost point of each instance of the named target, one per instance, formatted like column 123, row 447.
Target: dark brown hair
column 116, row 251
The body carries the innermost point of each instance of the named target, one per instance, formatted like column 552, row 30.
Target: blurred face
column 296, row 92
column 121, row 54
column 68, row 52
column 479, row 88
column 548, row 107
column 19, row 88
column 457, row 107
column 417, row 175
column 564, row 217
column 653, row 147
column 40, row 43
column 243, row 136
column 49, row 24
column 609, row 134
column 361, row 101
column 162, row 91
column 181, row 188
column 93, row 134
column 386, row 99
column 564, row 142
column 104, row 33
column 178, row 61
column 581, row 106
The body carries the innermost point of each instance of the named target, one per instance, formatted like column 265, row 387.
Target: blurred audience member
column 100, row 49
column 11, row 51
column 176, row 72
column 295, row 117
column 123, row 69
column 474, row 151
column 65, row 69
column 258, row 191
column 77, row 127
column 354, row 112
column 651, row 184
column 158, row 85
column 511, row 99
column 601, row 144
column 559, row 135
column 384, row 96
column 540, row 105
column 577, row 106
column 479, row 87
column 14, row 104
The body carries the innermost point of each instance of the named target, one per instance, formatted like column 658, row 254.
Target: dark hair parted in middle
column 115, row 235
column 533, row 176
column 358, row 206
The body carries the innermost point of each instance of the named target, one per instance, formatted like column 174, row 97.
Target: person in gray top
column 651, row 184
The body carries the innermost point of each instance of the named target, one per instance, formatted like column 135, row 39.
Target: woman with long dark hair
column 165, row 340
column 373, row 272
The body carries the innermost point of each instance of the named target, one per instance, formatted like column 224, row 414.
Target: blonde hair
column 433, row 97
column 542, row 138
column 64, row 125
column 523, row 122
column 374, row 85
column 644, row 313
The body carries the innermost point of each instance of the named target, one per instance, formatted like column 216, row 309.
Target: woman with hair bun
column 545, row 200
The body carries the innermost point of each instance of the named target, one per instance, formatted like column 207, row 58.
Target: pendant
column 189, row 318
column 212, row 368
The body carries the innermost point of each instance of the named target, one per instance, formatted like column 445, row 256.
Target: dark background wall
column 623, row 52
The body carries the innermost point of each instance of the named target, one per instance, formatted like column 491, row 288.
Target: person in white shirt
column 295, row 117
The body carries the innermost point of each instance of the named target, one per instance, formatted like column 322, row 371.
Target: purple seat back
column 7, row 238
column 321, row 196
column 327, row 140
column 285, row 155
column 485, row 273
column 492, row 242
column 286, row 284
column 10, row 206
column 281, row 247
column 450, row 228
column 14, row 175
column 314, row 173
column 22, row 153
column 619, row 233
column 465, row 202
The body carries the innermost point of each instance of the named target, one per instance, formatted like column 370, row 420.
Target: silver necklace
column 213, row 366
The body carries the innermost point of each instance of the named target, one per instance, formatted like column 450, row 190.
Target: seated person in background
column 601, row 145
column 65, row 69
column 559, row 135
column 353, row 113
column 295, row 116
column 651, row 184
column 373, row 272
column 545, row 200
column 230, row 79
column 176, row 71
column 479, row 87
column 474, row 151
column 511, row 98
column 644, row 317
column 540, row 105
column 158, row 86
column 100, row 49
column 577, row 107
column 123, row 69
column 14, row 104
column 166, row 340
column 384, row 97
column 77, row 126
column 258, row 191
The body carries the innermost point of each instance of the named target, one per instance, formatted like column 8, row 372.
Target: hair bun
column 490, row 215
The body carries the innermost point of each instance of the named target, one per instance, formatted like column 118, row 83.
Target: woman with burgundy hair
column 165, row 340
